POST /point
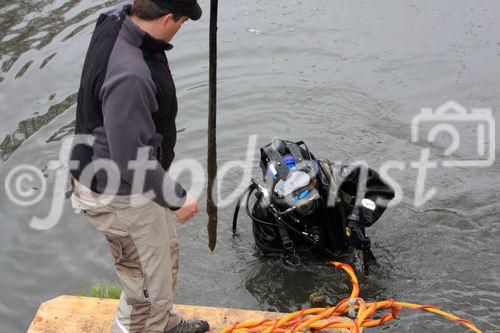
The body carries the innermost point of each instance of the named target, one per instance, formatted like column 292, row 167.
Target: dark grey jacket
column 127, row 100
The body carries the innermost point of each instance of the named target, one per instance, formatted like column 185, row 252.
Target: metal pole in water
column 212, row 130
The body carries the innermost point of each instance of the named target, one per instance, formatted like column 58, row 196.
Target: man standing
column 126, row 111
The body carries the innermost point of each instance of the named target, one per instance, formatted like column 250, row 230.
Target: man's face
column 170, row 27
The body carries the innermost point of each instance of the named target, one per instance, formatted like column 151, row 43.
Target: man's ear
column 167, row 19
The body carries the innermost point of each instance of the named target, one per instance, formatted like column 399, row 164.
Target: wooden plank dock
column 74, row 314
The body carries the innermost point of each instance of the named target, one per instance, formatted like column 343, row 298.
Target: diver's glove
column 367, row 217
column 368, row 207
column 357, row 237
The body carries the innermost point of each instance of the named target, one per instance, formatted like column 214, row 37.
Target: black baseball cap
column 190, row 8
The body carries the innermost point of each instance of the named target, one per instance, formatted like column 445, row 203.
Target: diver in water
column 307, row 204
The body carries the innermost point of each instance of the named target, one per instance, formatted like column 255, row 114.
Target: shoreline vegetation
column 105, row 290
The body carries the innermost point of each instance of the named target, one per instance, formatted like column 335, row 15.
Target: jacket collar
column 135, row 35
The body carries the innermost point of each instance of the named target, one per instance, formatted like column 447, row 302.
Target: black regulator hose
column 247, row 192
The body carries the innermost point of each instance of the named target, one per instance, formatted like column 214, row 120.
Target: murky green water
column 346, row 76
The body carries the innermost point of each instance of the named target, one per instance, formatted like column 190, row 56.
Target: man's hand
column 188, row 210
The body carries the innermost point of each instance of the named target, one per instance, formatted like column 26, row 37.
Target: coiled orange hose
column 317, row 319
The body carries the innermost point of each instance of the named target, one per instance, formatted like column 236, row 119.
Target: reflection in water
column 286, row 287
column 28, row 127
column 63, row 132
column 24, row 69
column 47, row 60
column 34, row 24
column 285, row 284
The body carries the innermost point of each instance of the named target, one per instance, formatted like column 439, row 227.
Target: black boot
column 190, row 326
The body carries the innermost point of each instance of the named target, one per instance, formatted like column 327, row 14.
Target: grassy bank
column 106, row 290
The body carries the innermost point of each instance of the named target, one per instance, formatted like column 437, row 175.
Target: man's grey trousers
column 144, row 244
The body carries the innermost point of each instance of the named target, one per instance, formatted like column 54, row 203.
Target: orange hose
column 318, row 319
